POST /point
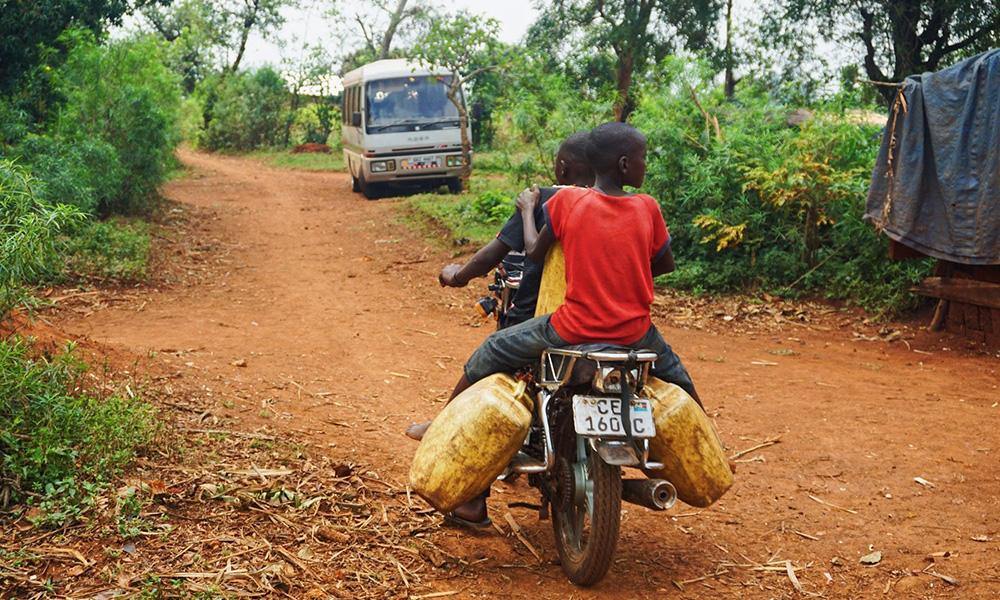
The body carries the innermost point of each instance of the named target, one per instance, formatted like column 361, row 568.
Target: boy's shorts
column 510, row 349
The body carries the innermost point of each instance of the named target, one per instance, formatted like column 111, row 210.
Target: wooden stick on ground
column 520, row 535
column 764, row 444
column 825, row 503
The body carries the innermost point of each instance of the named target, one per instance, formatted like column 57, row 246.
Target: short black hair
column 611, row 141
column 575, row 148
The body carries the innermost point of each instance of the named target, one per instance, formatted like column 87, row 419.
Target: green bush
column 475, row 216
column 769, row 206
column 491, row 207
column 59, row 444
column 243, row 111
column 115, row 249
column 122, row 94
column 28, row 230
column 84, row 173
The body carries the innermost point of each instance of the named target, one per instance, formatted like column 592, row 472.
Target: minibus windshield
column 411, row 103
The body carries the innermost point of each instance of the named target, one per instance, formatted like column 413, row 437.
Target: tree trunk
column 291, row 117
column 249, row 20
column 624, row 104
column 394, row 20
column 454, row 94
column 730, row 86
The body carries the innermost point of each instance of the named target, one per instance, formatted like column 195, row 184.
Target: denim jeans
column 521, row 345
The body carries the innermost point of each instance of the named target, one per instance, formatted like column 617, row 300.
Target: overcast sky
column 515, row 16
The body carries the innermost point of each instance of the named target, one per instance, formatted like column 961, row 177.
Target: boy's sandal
column 453, row 519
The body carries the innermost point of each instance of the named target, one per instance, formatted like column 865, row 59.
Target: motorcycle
column 589, row 421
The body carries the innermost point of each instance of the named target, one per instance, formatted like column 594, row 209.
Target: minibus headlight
column 381, row 166
column 454, row 161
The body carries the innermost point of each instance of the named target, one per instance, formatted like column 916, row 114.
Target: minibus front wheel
column 455, row 185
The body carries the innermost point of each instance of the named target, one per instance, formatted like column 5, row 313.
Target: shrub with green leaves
column 84, row 173
column 243, row 111
column 122, row 94
column 28, row 231
column 59, row 443
column 766, row 205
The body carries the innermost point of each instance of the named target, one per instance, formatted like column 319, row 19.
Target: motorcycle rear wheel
column 585, row 524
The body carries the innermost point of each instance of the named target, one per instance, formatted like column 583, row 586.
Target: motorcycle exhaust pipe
column 654, row 494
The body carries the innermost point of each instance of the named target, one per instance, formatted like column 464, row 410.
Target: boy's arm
column 664, row 263
column 481, row 263
column 536, row 243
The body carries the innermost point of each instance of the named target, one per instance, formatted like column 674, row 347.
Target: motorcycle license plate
column 421, row 162
column 601, row 417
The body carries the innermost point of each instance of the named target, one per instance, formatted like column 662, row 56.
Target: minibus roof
column 393, row 67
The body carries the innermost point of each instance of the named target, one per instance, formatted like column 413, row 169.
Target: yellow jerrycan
column 687, row 445
column 552, row 288
column 471, row 441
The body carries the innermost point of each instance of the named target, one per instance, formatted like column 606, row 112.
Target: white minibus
column 399, row 126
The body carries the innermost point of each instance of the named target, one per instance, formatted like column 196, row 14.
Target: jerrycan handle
column 521, row 395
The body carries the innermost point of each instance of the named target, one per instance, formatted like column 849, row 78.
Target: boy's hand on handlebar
column 449, row 276
column 528, row 199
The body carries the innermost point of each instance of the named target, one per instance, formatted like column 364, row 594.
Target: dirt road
column 317, row 314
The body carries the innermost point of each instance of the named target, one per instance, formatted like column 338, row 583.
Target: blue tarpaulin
column 940, row 191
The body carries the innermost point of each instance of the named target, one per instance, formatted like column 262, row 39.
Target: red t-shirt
column 610, row 243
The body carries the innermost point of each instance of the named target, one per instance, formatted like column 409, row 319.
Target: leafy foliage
column 29, row 29
column 466, row 46
column 767, row 206
column 244, row 111
column 900, row 38
column 637, row 32
column 28, row 230
column 122, row 94
column 60, row 444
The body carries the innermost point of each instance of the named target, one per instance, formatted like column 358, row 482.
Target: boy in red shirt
column 615, row 244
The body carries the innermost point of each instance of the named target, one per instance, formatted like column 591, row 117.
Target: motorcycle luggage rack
column 557, row 363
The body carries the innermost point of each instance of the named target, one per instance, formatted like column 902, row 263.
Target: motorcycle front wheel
column 586, row 509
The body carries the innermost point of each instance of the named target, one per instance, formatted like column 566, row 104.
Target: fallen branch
column 831, row 505
column 520, row 535
column 764, row 444
column 680, row 584
column 239, row 434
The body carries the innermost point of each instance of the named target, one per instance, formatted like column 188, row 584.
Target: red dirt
column 320, row 292
column 311, row 147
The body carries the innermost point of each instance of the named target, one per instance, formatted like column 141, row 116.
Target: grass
column 60, row 444
column 283, row 159
column 116, row 249
column 474, row 216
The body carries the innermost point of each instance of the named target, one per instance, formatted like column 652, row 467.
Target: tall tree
column 381, row 25
column 904, row 37
column 728, row 60
column 636, row 31
column 27, row 28
column 308, row 73
column 216, row 31
column 246, row 16
column 196, row 36
column 466, row 46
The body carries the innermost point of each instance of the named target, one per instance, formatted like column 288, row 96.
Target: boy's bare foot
column 417, row 430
